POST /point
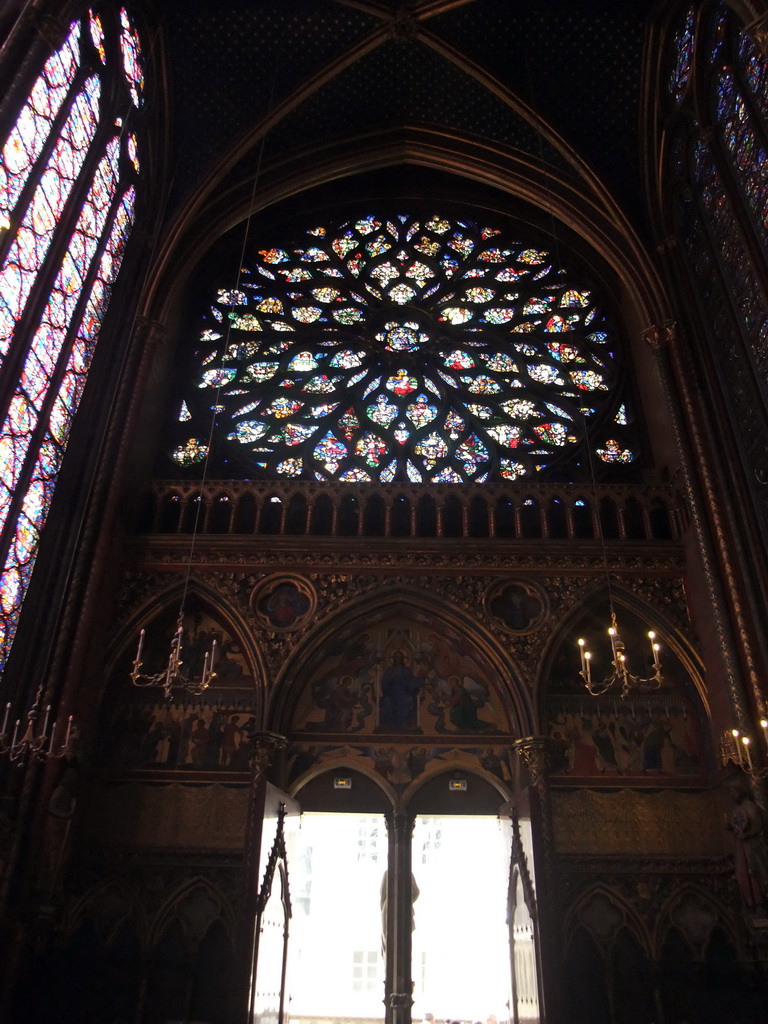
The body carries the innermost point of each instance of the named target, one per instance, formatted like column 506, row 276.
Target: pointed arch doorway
column 400, row 913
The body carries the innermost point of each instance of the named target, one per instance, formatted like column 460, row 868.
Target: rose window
column 405, row 349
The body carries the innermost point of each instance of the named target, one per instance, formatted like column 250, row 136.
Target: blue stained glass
column 33, row 124
column 409, row 369
column 36, row 231
column 57, row 349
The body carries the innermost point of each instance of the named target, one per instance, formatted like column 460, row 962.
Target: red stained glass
column 34, row 434
column 404, row 376
column 33, row 125
column 35, row 234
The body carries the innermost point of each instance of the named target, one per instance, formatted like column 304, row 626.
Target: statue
column 747, row 822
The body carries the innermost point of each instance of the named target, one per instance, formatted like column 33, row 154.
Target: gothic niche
column 650, row 734
column 405, row 696
column 212, row 731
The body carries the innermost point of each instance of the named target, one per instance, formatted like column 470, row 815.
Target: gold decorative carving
column 627, row 822
column 534, row 750
column 173, row 816
column 266, row 745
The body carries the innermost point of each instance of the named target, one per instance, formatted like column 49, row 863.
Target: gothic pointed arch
column 604, row 911
column 657, row 729
column 340, row 634
column 109, row 905
column 195, row 906
column 403, row 686
column 695, row 912
column 186, row 727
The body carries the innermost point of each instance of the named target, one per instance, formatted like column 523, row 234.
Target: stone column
column 398, row 921
column 534, row 764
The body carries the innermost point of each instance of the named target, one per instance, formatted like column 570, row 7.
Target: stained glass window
column 68, row 171
column 722, row 220
column 408, row 348
column 682, row 54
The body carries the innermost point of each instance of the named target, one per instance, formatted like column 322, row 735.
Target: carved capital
column 400, row 1000
column 266, row 745
column 150, row 331
column 658, row 336
column 534, row 751
column 399, row 823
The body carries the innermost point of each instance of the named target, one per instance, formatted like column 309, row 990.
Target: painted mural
column 199, row 630
column 400, row 676
column 398, row 764
column 283, row 603
column 652, row 734
column 211, row 732
column 639, row 736
column 208, row 733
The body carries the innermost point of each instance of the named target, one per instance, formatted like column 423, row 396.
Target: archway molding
column 546, row 196
column 127, row 909
column 400, row 597
column 168, row 600
column 578, row 916
column 597, row 599
column 168, row 913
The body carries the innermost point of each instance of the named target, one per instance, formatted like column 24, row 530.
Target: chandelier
column 173, row 676
column 39, row 745
column 736, row 750
column 621, row 677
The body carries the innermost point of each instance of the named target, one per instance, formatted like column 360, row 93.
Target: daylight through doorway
column 460, row 952
column 460, row 958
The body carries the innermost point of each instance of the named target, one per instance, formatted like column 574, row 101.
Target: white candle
column 140, row 648
column 737, row 745
column 612, row 635
column 69, row 730
column 745, row 744
column 581, row 653
column 5, row 719
column 45, row 723
column 654, row 648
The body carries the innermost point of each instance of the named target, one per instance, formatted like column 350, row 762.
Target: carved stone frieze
column 691, row 895
column 305, row 557
column 666, row 823
column 466, row 591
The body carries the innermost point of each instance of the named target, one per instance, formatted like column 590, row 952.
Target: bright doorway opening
column 336, row 967
column 460, row 958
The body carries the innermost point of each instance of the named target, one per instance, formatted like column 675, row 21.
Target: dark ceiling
column 339, row 68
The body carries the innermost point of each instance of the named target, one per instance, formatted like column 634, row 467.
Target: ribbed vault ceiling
column 339, row 68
